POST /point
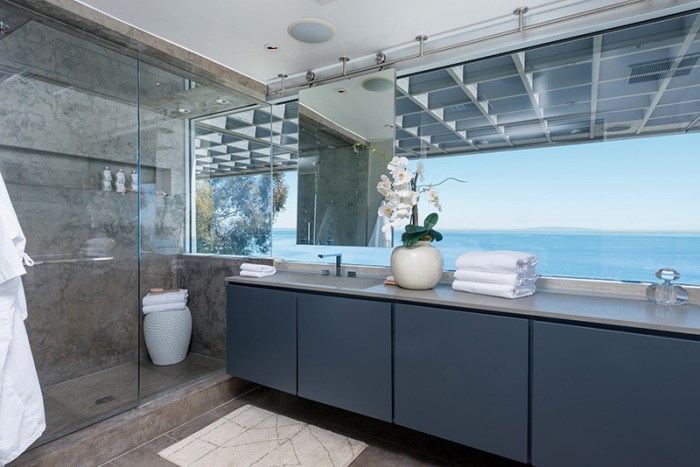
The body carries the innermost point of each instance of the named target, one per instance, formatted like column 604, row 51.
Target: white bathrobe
column 21, row 406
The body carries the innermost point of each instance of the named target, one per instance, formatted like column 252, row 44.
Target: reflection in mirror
column 337, row 199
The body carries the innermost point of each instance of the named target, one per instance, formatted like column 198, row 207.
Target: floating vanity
column 554, row 379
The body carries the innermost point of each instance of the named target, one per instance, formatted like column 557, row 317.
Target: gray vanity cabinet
column 612, row 398
column 261, row 339
column 463, row 376
column 345, row 353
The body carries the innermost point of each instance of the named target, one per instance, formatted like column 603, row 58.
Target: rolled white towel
column 505, row 278
column 166, row 297
column 496, row 290
column 497, row 261
column 258, row 273
column 163, row 307
column 257, row 267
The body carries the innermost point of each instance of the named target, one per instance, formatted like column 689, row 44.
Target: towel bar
column 73, row 260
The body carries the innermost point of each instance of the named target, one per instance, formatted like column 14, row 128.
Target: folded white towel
column 504, row 278
column 497, row 261
column 163, row 307
column 496, row 290
column 258, row 273
column 257, row 267
column 165, row 297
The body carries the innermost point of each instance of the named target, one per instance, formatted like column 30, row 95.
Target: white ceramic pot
column 418, row 267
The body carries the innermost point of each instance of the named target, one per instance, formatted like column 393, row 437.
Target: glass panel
column 172, row 100
column 236, row 194
column 68, row 110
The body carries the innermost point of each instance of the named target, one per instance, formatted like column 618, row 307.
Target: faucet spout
column 338, row 261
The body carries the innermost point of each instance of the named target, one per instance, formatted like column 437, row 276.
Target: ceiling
column 235, row 33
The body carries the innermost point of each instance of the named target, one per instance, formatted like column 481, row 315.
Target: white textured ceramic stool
column 167, row 335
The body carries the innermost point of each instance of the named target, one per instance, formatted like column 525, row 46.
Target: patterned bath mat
column 251, row 436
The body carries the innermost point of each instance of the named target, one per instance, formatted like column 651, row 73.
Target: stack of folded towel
column 169, row 300
column 257, row 270
column 503, row 273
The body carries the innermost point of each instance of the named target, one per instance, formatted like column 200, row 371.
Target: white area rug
column 250, row 436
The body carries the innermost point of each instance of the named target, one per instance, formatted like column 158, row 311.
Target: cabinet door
column 462, row 376
column 611, row 398
column 261, row 336
column 345, row 353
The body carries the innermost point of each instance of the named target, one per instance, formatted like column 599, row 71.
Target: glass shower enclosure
column 93, row 149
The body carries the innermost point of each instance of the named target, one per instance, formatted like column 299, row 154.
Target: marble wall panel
column 204, row 277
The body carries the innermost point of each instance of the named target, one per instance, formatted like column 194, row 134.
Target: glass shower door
column 68, row 138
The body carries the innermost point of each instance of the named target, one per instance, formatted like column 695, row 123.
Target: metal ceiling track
column 520, row 28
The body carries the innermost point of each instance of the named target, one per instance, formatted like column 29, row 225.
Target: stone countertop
column 636, row 313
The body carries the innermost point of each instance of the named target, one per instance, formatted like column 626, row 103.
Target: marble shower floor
column 80, row 402
column 388, row 445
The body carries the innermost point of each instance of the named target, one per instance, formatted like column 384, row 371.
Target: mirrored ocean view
column 581, row 254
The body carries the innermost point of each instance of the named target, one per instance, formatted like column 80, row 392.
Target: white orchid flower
column 420, row 170
column 386, row 210
column 384, row 185
column 433, row 198
column 397, row 164
column 402, row 178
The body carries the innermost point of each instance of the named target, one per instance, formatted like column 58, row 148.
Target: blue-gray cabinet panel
column 462, row 376
column 345, row 353
column 261, row 338
column 611, row 398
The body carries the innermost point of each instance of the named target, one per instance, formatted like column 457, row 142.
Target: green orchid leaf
column 431, row 220
column 415, row 228
column 437, row 236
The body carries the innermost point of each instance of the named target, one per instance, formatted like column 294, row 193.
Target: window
column 582, row 152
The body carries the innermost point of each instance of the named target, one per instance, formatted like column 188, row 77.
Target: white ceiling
column 235, row 33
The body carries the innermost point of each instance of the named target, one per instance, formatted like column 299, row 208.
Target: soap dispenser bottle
column 120, row 184
column 134, row 181
column 106, row 179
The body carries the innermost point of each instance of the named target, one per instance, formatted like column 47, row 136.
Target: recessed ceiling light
column 183, row 110
column 375, row 84
column 389, row 125
column 271, row 47
column 341, row 91
column 311, row 31
column 222, row 100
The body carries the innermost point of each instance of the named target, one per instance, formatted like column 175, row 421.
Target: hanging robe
column 22, row 418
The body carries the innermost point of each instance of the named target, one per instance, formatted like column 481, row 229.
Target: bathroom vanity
column 554, row 379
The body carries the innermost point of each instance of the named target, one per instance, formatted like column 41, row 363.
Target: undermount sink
column 317, row 279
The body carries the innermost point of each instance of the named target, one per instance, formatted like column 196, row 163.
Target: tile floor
column 79, row 402
column 389, row 445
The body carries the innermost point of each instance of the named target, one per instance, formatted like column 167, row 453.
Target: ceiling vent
column 658, row 69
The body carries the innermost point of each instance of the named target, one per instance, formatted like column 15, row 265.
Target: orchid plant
column 401, row 195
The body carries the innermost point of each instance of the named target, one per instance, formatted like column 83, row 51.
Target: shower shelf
column 74, row 260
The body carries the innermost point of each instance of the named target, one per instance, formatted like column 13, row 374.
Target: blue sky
column 641, row 184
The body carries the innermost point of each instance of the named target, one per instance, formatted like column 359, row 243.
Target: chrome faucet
column 338, row 261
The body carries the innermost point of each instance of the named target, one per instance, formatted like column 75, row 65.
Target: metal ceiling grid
column 641, row 80
column 247, row 142
column 636, row 81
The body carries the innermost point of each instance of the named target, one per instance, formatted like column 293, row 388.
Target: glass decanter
column 666, row 293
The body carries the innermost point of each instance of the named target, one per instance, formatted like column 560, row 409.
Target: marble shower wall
column 204, row 277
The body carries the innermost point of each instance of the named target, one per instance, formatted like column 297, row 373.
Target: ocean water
column 588, row 254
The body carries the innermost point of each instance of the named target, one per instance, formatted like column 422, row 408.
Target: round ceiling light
column 311, row 31
column 271, row 47
column 375, row 84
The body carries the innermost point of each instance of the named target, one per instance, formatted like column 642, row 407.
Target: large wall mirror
column 337, row 199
